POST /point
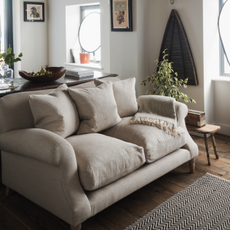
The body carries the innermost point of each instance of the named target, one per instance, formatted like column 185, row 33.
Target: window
column 1, row 27
column 6, row 24
column 84, row 12
column 224, row 33
column 90, row 34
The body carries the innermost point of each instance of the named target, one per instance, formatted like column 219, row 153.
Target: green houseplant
column 165, row 81
column 9, row 58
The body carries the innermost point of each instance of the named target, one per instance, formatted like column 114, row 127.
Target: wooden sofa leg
column 75, row 228
column 192, row 165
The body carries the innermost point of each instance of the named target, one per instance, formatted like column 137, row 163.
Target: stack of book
column 79, row 73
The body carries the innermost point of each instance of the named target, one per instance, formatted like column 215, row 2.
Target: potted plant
column 7, row 59
column 165, row 81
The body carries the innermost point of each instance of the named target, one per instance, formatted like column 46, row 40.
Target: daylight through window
column 1, row 26
column 224, row 37
column 93, row 28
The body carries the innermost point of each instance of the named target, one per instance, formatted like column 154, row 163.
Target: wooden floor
column 18, row 213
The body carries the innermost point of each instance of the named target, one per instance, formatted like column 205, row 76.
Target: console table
column 24, row 85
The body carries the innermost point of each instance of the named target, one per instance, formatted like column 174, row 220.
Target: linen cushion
column 55, row 112
column 125, row 95
column 102, row 159
column 156, row 142
column 96, row 107
column 15, row 111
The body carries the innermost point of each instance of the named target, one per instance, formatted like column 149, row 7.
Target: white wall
column 31, row 39
column 211, row 55
column 222, row 106
column 72, row 20
column 190, row 13
column 57, row 31
column 134, row 53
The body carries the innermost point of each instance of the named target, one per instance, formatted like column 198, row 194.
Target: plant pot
column 84, row 58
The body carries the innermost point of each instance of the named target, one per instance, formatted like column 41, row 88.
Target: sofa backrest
column 15, row 112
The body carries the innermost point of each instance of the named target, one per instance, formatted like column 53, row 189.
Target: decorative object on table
column 206, row 130
column 196, row 118
column 84, row 58
column 80, row 73
column 121, row 15
column 7, row 59
column 202, row 205
column 176, row 42
column 86, row 31
column 57, row 72
column 24, row 85
column 165, row 81
column 34, row 11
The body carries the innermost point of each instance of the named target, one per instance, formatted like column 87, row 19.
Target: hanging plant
column 165, row 81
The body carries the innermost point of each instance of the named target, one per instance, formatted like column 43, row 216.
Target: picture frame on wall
column 121, row 15
column 34, row 11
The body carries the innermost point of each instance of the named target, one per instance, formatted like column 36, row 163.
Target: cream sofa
column 70, row 176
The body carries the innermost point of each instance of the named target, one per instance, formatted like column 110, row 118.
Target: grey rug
column 205, row 204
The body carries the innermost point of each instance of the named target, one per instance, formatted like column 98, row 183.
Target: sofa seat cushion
column 156, row 142
column 102, row 159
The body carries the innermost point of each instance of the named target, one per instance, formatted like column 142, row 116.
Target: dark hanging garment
column 177, row 45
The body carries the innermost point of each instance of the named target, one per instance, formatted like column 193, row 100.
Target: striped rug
column 205, row 204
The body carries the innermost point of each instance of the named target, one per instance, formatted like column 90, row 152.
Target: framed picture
column 121, row 15
column 34, row 12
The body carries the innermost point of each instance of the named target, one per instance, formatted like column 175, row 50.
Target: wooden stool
column 207, row 129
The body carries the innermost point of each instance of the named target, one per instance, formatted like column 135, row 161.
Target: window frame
column 222, row 58
column 82, row 16
column 83, row 8
column 2, row 48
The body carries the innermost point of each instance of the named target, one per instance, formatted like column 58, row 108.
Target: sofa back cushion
column 15, row 111
column 96, row 107
column 55, row 112
column 125, row 95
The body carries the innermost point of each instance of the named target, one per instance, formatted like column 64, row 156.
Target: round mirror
column 89, row 33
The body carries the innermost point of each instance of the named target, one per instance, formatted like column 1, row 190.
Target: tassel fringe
column 168, row 127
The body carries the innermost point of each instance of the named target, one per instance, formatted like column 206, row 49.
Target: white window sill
column 94, row 66
column 222, row 79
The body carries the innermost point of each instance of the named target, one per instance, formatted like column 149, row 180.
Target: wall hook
column 171, row 1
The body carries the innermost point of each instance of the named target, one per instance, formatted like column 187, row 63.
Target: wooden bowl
column 57, row 72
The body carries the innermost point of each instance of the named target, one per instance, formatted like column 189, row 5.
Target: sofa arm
column 45, row 146
column 182, row 111
column 38, row 144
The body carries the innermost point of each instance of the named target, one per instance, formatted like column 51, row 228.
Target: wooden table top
column 24, row 85
column 207, row 129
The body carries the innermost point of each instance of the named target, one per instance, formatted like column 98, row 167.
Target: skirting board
column 225, row 129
